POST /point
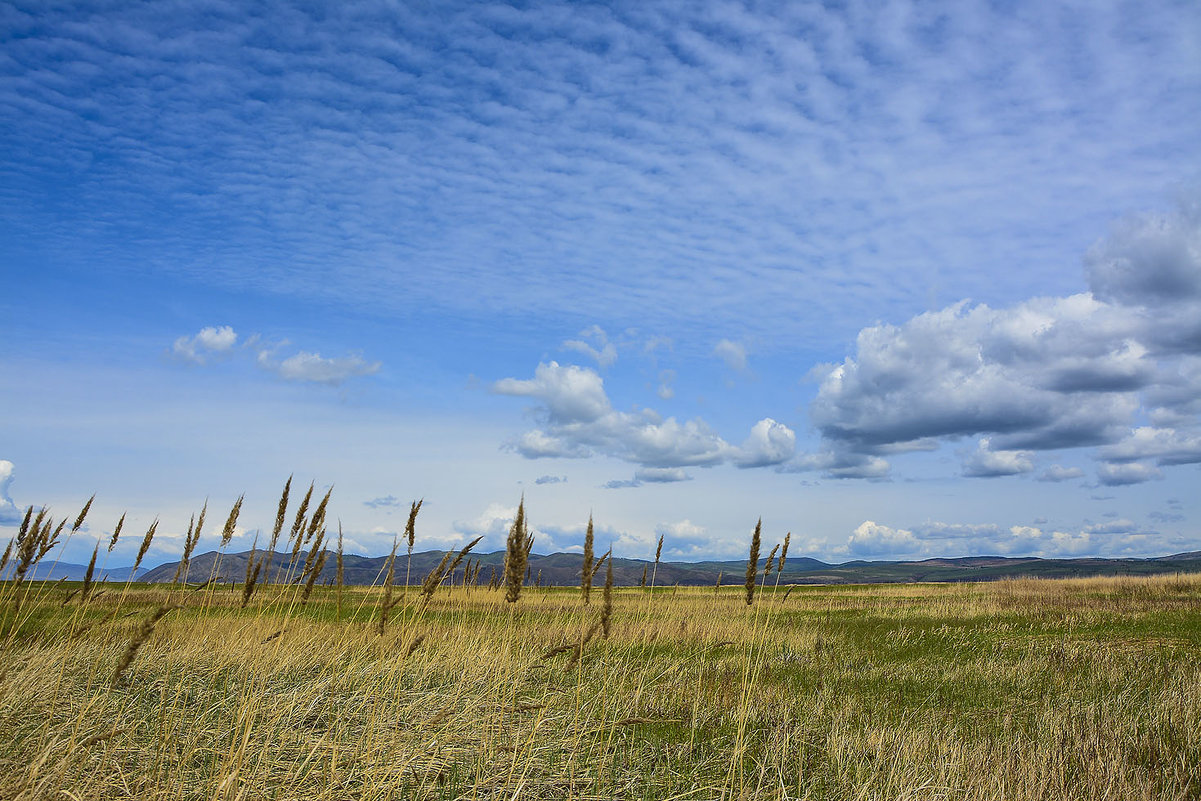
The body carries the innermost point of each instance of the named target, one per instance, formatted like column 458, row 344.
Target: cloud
column 10, row 514
column 1166, row 446
column 770, row 443
column 541, row 156
column 550, row 479
column 937, row 539
column 1120, row 475
column 650, row 475
column 300, row 366
column 986, row 463
column 315, row 368
column 387, row 501
column 493, row 525
column 1057, row 473
column 1042, row 375
column 600, row 348
column 666, row 391
column 577, row 420
column 732, row 353
column 208, row 342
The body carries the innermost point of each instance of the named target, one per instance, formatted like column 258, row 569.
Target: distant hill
column 48, row 571
column 563, row 569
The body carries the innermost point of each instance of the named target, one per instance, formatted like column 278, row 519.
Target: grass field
column 1016, row 689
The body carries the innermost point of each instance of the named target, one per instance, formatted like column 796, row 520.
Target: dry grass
column 1014, row 690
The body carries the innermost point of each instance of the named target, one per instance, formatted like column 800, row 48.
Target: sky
column 905, row 280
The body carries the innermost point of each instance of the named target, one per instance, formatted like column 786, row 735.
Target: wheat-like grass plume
column 771, row 559
column 586, row 570
column 83, row 513
column 87, row 576
column 112, row 543
column 411, row 537
column 386, row 601
column 145, row 546
column 752, row 564
column 281, row 514
column 136, row 642
column 253, row 566
column 517, row 551
column 231, row 522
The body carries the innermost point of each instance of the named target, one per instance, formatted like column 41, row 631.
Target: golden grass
column 1080, row 689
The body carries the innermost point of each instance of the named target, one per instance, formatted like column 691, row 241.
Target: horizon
column 908, row 285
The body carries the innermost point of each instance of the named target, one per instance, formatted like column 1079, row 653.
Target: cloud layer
column 615, row 161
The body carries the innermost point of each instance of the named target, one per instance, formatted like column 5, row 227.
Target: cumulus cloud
column 1057, row 473
column 576, row 419
column 493, row 525
column 206, row 343
column 10, row 514
column 299, row 366
column 732, row 353
column 1119, row 475
column 1045, row 374
column 315, row 368
column 550, row 479
column 770, row 443
column 987, row 463
column 594, row 342
column 935, row 539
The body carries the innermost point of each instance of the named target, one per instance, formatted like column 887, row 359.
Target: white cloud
column 1166, row 445
column 313, row 367
column 873, row 539
column 770, row 443
column 204, row 344
column 935, row 539
column 666, row 391
column 1123, row 474
column 732, row 353
column 10, row 514
column 987, row 463
column 1045, row 374
column 599, row 347
column 578, row 420
column 1057, row 473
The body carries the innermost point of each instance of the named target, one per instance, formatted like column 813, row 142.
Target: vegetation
column 1012, row 689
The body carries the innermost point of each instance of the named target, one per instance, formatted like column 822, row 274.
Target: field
column 1017, row 689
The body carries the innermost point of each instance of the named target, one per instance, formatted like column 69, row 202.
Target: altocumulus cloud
column 1044, row 375
column 577, row 420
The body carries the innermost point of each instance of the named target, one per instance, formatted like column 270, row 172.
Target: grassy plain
column 1024, row 689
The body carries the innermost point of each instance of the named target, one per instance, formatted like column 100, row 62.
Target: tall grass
column 1080, row 689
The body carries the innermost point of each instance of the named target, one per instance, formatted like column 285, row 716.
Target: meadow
column 1018, row 689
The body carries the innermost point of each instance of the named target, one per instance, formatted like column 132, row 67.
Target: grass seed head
column 112, row 543
column 752, row 564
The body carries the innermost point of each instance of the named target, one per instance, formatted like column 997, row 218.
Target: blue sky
column 904, row 279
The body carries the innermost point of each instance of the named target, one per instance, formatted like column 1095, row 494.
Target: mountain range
column 563, row 569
